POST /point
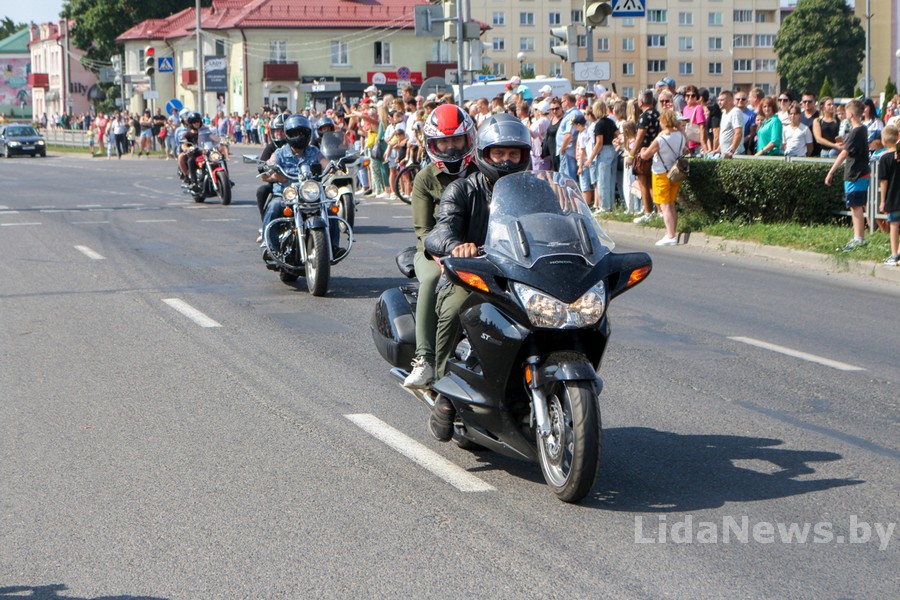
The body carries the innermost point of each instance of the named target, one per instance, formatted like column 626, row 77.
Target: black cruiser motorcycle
column 523, row 378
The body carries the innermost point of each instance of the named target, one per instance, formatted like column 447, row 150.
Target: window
column 383, row 53
column 627, row 22
column 715, row 19
column 714, row 91
column 744, row 40
column 278, row 51
column 528, row 67
column 555, row 19
column 628, row 69
column 499, row 69
column 220, row 47
column 766, row 88
column 526, row 19
column 628, row 44
column 765, row 16
column 715, row 68
column 602, row 44
column 340, row 54
column 656, row 66
column 628, row 92
column 577, row 16
column 685, row 43
column 581, row 41
column 526, row 44
column 657, row 16
column 765, row 40
column 743, row 16
column 766, row 64
column 555, row 70
column 685, row 68
column 498, row 19
column 715, row 44
column 743, row 65
column 686, row 19
column 656, row 40
column 498, row 44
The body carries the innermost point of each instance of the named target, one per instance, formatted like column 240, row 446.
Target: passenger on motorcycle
column 449, row 136
column 503, row 147
column 323, row 125
column 276, row 128
column 193, row 139
column 291, row 158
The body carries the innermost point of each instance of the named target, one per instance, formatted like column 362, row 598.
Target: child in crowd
column 632, row 201
column 889, row 179
column 856, row 172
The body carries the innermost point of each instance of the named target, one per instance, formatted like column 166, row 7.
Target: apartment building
column 54, row 62
column 718, row 44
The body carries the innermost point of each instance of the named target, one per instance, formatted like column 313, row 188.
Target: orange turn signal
column 288, row 211
column 638, row 275
column 334, row 209
column 472, row 280
column 528, row 377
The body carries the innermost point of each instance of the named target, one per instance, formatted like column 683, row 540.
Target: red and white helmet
column 450, row 121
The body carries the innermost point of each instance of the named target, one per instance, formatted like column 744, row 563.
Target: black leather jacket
column 462, row 215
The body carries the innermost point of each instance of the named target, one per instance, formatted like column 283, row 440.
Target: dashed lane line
column 191, row 313
column 89, row 253
column 416, row 452
column 834, row 364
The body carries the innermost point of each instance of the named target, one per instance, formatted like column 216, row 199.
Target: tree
column 890, row 90
column 821, row 37
column 7, row 27
column 826, row 92
column 97, row 23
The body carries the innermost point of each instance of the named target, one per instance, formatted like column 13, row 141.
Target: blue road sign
column 173, row 104
column 165, row 64
column 629, row 8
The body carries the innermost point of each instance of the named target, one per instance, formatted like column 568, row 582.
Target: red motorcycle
column 210, row 175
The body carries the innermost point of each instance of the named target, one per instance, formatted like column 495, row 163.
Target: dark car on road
column 21, row 139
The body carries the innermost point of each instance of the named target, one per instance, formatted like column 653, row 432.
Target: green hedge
column 764, row 191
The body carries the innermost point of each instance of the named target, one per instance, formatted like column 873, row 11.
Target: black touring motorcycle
column 523, row 378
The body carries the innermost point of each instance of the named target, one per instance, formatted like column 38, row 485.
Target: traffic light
column 596, row 13
column 149, row 61
column 567, row 46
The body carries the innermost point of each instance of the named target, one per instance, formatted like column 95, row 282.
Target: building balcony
column 189, row 77
column 38, row 80
column 281, row 72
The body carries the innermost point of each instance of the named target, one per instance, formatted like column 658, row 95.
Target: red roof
column 279, row 14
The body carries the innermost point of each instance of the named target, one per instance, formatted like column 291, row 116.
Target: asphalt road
column 149, row 453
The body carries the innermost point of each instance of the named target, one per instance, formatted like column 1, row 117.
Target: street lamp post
column 521, row 58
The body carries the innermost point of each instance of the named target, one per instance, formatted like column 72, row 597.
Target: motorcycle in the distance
column 210, row 175
column 309, row 238
column 333, row 148
column 523, row 378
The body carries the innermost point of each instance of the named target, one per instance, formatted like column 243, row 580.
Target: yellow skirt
column 664, row 191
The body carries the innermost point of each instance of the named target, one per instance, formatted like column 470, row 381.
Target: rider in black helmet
column 503, row 147
column 278, row 140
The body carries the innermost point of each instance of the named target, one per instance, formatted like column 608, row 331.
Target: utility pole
column 200, row 62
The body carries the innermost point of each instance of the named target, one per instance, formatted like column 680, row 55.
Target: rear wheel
column 318, row 267
column 224, row 185
column 404, row 182
column 570, row 456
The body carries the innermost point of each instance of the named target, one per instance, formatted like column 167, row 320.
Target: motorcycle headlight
column 216, row 156
column 544, row 310
column 310, row 191
column 331, row 192
column 290, row 193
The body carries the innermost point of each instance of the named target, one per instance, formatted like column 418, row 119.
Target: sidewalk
column 700, row 241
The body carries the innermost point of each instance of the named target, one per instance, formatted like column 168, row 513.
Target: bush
column 763, row 191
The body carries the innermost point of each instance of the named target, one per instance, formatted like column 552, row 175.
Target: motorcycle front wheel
column 224, row 185
column 347, row 210
column 318, row 267
column 570, row 457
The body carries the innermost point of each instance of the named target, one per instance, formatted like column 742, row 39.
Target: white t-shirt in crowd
column 796, row 139
column 731, row 120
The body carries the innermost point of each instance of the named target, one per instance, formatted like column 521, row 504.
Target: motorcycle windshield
column 208, row 146
column 333, row 146
column 542, row 213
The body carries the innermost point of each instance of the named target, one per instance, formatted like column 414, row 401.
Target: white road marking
column 402, row 217
column 218, row 220
column 16, row 224
column 89, row 205
column 413, row 450
column 90, row 222
column 834, row 364
column 191, row 313
column 89, row 253
column 156, row 221
column 9, row 212
column 133, row 204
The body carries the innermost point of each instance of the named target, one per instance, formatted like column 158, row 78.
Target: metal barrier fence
column 67, row 137
column 874, row 189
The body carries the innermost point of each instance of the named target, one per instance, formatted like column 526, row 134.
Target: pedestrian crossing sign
column 165, row 64
column 629, row 8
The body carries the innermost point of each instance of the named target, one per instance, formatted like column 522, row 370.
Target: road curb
column 789, row 256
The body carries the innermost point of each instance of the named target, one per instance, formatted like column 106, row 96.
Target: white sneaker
column 644, row 218
column 422, row 374
column 668, row 241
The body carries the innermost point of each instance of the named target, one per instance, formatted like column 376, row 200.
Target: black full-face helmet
column 325, row 125
column 502, row 130
column 194, row 119
column 277, row 125
column 297, row 131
